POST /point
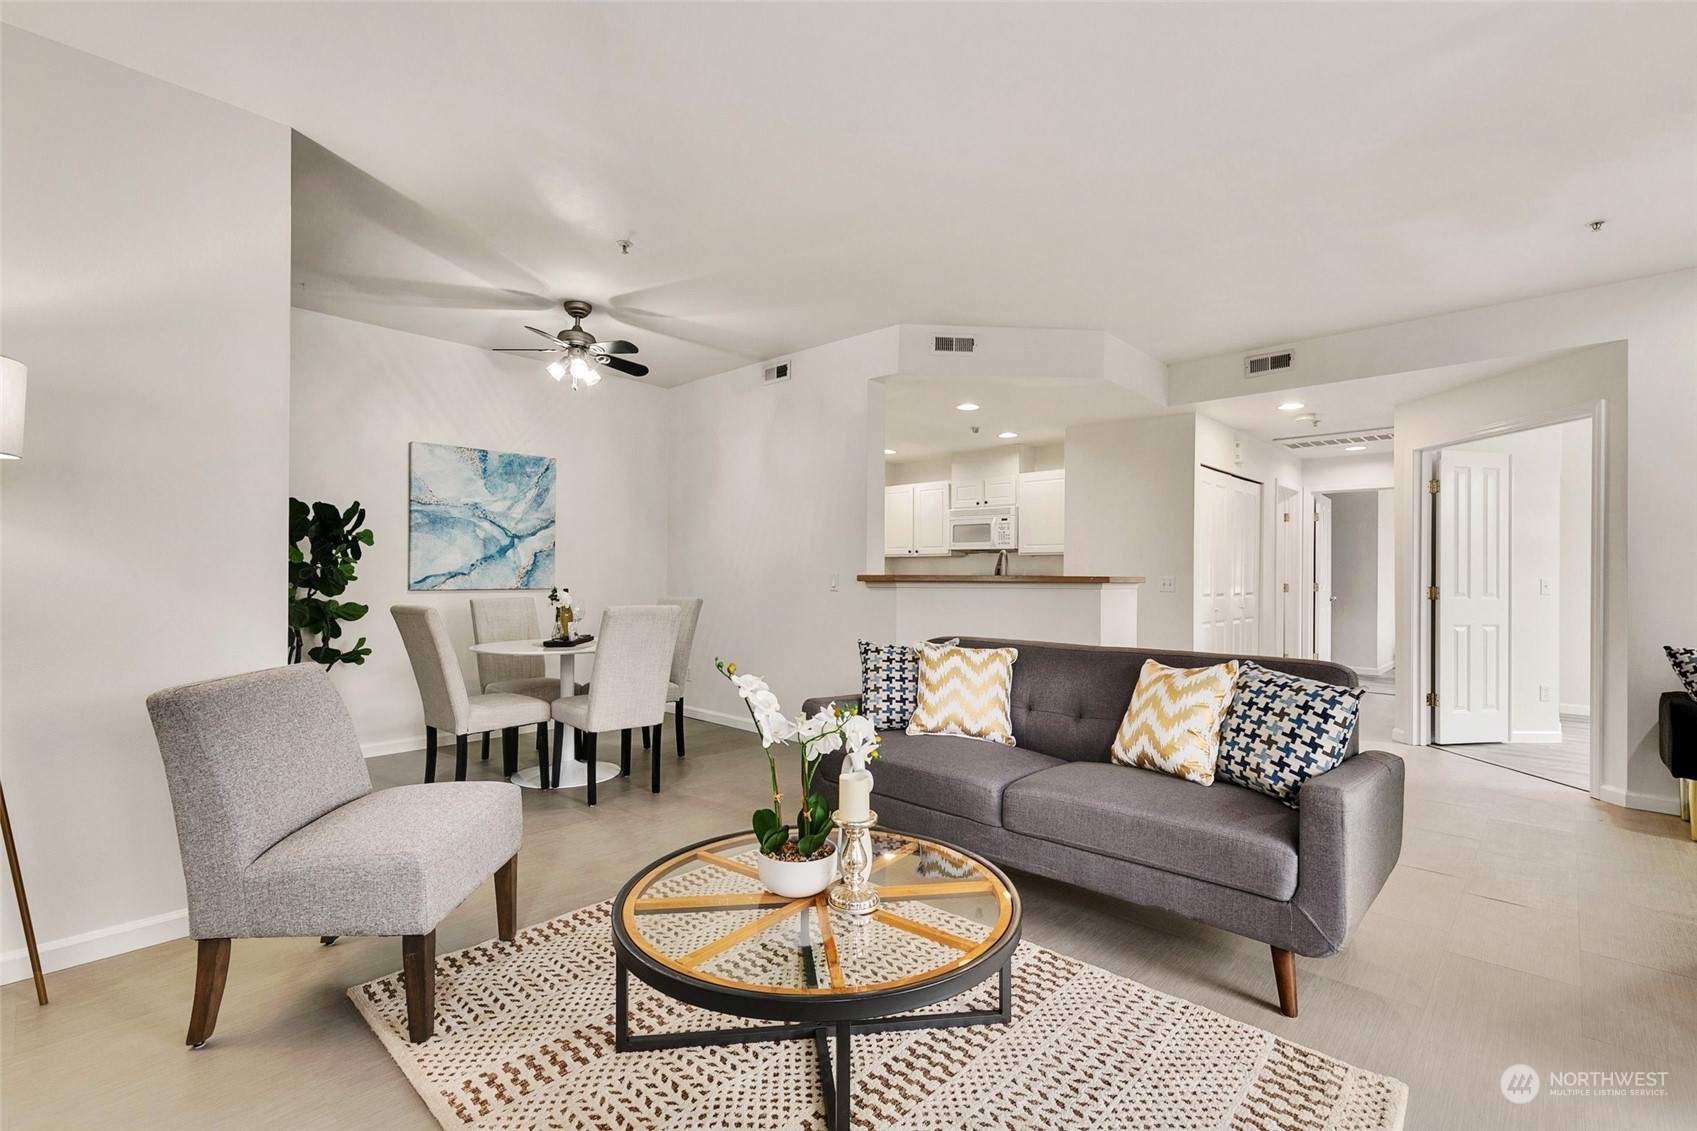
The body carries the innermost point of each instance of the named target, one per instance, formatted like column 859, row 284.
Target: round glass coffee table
column 697, row 926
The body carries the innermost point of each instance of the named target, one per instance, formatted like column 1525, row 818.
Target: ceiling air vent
column 1336, row 439
column 1266, row 363
column 953, row 345
column 777, row 371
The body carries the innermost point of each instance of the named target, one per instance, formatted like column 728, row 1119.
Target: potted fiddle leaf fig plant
column 801, row 861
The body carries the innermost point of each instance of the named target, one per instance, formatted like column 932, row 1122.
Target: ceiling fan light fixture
column 557, row 370
column 582, row 372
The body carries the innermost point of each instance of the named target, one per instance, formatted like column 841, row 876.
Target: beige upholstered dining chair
column 689, row 616
column 447, row 707
column 511, row 618
column 282, row 836
column 633, row 656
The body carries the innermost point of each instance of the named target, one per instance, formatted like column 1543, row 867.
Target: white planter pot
column 797, row 879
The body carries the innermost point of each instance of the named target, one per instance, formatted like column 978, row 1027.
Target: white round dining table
column 572, row 772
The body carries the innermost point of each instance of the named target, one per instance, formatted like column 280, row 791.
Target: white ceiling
column 1192, row 178
column 921, row 420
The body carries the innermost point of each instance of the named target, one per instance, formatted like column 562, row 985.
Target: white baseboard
column 416, row 742
column 1383, row 669
column 723, row 718
column 1535, row 736
column 1583, row 710
column 398, row 746
column 1636, row 799
column 62, row 954
column 1398, row 734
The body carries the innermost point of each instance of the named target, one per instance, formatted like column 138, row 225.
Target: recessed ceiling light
column 1356, row 448
column 1007, row 435
column 889, row 451
column 967, row 406
column 1291, row 406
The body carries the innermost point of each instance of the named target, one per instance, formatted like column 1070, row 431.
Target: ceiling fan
column 583, row 357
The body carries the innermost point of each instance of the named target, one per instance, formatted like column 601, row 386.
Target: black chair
column 1679, row 749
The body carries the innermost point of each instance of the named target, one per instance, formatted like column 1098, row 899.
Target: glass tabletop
column 703, row 914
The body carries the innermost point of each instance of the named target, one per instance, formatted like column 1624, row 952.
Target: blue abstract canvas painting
column 480, row 519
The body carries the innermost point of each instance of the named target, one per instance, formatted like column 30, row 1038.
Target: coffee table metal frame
column 815, row 1016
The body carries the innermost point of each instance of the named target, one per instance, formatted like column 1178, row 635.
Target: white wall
column 1130, row 504
column 1355, row 579
column 360, row 394
column 145, row 284
column 1650, row 458
column 1574, row 595
column 1534, row 615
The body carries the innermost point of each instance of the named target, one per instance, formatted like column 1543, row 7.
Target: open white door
column 1323, row 596
column 1470, row 626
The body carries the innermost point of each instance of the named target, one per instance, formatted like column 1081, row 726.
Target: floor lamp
column 12, row 378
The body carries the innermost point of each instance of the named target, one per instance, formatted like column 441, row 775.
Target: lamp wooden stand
column 23, row 902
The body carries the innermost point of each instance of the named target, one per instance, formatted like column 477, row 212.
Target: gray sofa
column 1054, row 805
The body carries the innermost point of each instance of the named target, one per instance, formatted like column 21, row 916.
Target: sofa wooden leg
column 418, row 971
column 1284, row 970
column 507, row 899
column 212, row 966
column 328, row 940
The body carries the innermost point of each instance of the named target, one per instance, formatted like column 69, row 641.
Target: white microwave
column 983, row 528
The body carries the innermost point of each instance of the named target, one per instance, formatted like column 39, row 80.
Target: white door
column 1228, row 563
column 1470, row 625
column 898, row 520
column 931, row 519
column 1323, row 596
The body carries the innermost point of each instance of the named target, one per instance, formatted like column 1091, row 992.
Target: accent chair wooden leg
column 212, row 966
column 418, row 971
column 587, row 742
column 624, row 753
column 678, row 724
column 328, row 940
column 429, row 754
column 507, row 900
column 460, row 752
column 654, row 758
column 1284, row 971
column 509, row 751
column 486, row 746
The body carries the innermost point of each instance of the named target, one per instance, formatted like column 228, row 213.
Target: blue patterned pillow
column 1684, row 661
column 889, row 684
column 1281, row 730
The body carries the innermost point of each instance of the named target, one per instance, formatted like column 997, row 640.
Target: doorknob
column 1332, row 598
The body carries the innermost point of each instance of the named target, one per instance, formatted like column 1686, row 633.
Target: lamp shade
column 12, row 379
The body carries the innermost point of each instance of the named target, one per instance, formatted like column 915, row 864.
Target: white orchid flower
column 859, row 733
column 776, row 728
column 748, row 685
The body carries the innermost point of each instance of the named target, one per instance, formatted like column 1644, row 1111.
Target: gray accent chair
column 511, row 618
column 633, row 655
column 448, row 707
column 690, row 616
column 1055, row 805
column 282, row 836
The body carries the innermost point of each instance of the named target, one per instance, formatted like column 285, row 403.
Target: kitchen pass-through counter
column 1065, row 608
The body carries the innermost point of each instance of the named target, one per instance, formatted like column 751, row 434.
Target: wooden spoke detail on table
column 924, row 931
column 723, row 901
column 743, row 934
column 822, row 902
column 885, row 859
column 727, row 864
column 927, row 891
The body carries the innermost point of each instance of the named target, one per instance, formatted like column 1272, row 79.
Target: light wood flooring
column 1526, row 923
column 1567, row 762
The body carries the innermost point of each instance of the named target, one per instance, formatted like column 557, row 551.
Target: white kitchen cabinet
column 916, row 520
column 1042, row 512
column 993, row 491
column 967, row 494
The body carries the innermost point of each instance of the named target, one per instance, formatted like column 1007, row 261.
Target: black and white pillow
column 1684, row 661
column 889, row 684
column 1280, row 730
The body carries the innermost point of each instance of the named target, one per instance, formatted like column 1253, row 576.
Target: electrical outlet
column 1169, row 584
column 1543, row 693
column 1545, row 587
column 833, row 583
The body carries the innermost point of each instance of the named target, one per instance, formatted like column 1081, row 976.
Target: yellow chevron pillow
column 1173, row 722
column 965, row 691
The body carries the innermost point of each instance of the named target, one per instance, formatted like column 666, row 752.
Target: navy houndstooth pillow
column 889, row 684
column 1684, row 661
column 1281, row 730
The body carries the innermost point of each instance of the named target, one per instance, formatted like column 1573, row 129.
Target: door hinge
column 1316, row 516
column 1432, row 486
column 1316, row 587
column 1286, row 587
column 1287, row 516
column 1431, row 699
column 1431, row 592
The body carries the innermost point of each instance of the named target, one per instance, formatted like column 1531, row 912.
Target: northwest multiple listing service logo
column 1521, row 1084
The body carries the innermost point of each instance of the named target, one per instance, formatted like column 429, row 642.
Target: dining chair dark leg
column 589, row 757
column 486, row 746
column 678, row 722
column 542, row 738
column 429, row 754
column 645, row 738
column 509, row 751
column 460, row 752
column 624, row 753
column 553, row 776
column 654, row 760
column 579, row 754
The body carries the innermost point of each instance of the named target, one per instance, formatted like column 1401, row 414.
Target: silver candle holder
column 855, row 893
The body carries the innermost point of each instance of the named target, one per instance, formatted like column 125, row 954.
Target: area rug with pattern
column 524, row 1039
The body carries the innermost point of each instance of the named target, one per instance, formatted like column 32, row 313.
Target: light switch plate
column 1169, row 584
column 833, row 583
column 1545, row 587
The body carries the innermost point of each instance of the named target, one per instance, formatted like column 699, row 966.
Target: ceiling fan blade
column 528, row 349
column 613, row 347
column 551, row 337
column 620, row 365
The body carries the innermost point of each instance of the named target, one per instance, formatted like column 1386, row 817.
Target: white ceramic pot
column 797, row 879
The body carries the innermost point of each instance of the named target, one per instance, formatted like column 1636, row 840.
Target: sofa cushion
column 1224, row 834
column 964, row 691
column 1173, row 722
column 963, row 776
column 1281, row 730
column 889, row 683
column 1684, row 661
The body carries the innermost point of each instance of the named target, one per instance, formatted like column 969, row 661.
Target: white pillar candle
column 854, row 795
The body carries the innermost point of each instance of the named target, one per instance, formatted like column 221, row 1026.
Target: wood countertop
column 988, row 579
